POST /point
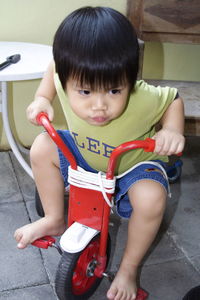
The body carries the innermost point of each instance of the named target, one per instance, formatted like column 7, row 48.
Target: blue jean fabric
column 144, row 171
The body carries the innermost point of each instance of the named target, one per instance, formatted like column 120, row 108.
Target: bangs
column 96, row 47
column 97, row 75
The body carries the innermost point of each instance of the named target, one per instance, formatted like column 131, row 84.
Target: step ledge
column 188, row 90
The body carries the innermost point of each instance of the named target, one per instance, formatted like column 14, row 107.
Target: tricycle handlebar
column 147, row 145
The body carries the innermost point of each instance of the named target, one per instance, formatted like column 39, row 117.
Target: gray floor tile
column 169, row 281
column 19, row 268
column 39, row 292
column 26, row 183
column 9, row 189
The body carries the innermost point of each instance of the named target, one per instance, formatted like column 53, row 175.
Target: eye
column 84, row 92
column 115, row 91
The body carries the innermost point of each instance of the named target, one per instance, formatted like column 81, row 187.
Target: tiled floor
column 171, row 267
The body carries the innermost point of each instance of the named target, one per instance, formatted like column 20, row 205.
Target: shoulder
column 143, row 89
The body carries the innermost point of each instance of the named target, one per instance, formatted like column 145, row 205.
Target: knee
column 157, row 200
column 149, row 197
column 41, row 149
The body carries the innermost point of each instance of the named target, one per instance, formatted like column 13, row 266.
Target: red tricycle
column 85, row 245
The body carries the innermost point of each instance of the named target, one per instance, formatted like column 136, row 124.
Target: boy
column 94, row 74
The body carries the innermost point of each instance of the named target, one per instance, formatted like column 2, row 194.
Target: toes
column 111, row 294
column 21, row 241
column 22, row 245
column 114, row 294
column 133, row 297
column 120, row 296
column 18, row 235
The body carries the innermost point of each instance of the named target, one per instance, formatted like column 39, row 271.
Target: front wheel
column 75, row 279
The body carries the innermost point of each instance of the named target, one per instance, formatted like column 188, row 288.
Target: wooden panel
column 170, row 21
column 170, row 37
column 135, row 13
column 192, row 127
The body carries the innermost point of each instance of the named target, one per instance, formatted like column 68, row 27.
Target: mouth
column 99, row 120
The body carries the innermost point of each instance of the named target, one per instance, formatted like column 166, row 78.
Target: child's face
column 96, row 107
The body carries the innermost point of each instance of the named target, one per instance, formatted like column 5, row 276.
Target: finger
column 50, row 114
column 179, row 148
column 159, row 144
column 31, row 116
column 176, row 146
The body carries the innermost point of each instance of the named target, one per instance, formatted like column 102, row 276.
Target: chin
column 98, row 124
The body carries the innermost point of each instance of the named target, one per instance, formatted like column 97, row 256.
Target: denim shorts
column 143, row 171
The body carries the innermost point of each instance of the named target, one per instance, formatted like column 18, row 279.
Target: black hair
column 97, row 46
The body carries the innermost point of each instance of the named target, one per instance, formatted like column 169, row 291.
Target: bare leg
column 148, row 200
column 45, row 166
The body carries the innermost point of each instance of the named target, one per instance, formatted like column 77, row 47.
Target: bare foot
column 45, row 226
column 124, row 285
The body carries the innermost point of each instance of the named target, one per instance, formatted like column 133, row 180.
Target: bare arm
column 47, row 88
column 170, row 139
column 44, row 97
column 173, row 118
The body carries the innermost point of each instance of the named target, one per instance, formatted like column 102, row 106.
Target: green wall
column 172, row 61
column 36, row 21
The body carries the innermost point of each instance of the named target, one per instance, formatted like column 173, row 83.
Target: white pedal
column 76, row 237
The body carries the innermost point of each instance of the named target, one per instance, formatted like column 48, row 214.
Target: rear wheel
column 75, row 278
column 174, row 172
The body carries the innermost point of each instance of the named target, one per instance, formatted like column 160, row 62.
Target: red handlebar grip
column 149, row 145
column 179, row 154
column 40, row 116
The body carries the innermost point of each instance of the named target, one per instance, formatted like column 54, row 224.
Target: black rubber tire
column 38, row 204
column 176, row 176
column 65, row 271
column 193, row 294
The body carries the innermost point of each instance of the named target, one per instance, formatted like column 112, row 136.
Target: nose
column 99, row 102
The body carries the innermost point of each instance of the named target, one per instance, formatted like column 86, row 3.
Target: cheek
column 78, row 107
column 73, row 103
column 120, row 107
